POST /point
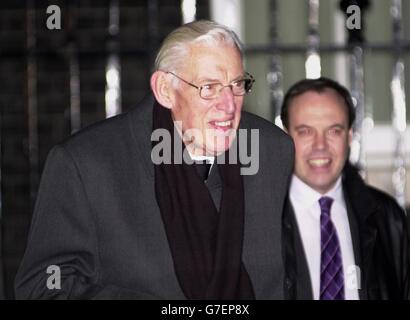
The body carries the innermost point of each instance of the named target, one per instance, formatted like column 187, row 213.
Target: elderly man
column 123, row 213
column 342, row 238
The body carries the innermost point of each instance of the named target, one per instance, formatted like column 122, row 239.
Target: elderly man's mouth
column 221, row 125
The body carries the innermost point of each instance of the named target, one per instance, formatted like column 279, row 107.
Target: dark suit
column 380, row 240
column 97, row 218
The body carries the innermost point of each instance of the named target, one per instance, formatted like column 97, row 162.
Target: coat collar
column 364, row 208
column 358, row 194
column 140, row 123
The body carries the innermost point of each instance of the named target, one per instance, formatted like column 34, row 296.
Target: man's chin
column 214, row 152
column 221, row 144
column 218, row 149
column 322, row 186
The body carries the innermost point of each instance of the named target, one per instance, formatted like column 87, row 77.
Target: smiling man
column 342, row 239
column 113, row 223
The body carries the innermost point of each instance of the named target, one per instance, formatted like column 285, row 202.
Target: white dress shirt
column 305, row 202
column 209, row 159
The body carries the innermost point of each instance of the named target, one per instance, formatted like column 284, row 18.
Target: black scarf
column 206, row 245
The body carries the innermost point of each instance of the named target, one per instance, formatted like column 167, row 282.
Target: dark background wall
column 36, row 98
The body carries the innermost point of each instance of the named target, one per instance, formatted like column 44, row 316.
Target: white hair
column 176, row 45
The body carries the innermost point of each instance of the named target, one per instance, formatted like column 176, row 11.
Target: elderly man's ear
column 162, row 88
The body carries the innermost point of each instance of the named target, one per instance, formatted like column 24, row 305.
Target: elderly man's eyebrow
column 208, row 80
column 240, row 77
column 212, row 80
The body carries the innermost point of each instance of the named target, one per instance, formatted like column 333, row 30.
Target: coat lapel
column 298, row 285
column 361, row 209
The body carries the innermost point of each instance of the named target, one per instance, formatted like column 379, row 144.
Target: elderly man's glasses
column 211, row 90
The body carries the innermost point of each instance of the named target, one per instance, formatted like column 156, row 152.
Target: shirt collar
column 209, row 159
column 306, row 196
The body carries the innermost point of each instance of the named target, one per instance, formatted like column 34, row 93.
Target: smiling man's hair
column 320, row 85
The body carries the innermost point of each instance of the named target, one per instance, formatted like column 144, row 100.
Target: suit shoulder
column 387, row 203
column 382, row 196
column 100, row 132
column 115, row 130
column 275, row 148
column 266, row 128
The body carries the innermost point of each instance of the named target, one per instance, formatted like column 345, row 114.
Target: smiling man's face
column 215, row 121
column 318, row 124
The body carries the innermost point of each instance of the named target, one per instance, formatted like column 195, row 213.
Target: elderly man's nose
column 227, row 100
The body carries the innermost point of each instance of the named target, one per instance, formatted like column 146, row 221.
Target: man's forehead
column 315, row 107
column 203, row 51
column 208, row 62
column 326, row 100
column 322, row 94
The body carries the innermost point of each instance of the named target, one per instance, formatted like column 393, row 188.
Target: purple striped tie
column 331, row 267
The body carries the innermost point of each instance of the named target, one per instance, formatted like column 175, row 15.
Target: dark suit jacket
column 97, row 219
column 380, row 240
